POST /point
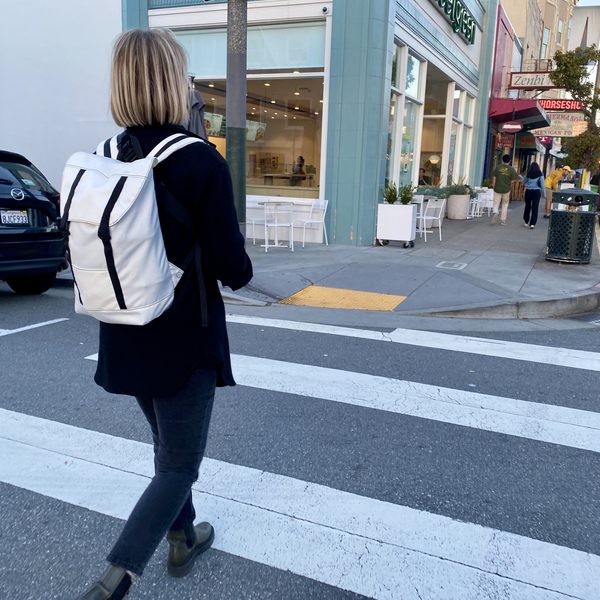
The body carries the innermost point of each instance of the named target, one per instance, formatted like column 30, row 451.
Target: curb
column 233, row 298
column 546, row 308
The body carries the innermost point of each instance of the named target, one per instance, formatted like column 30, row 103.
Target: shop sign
column 526, row 141
column 560, row 104
column 511, row 127
column 531, row 81
column 505, row 140
column 563, row 125
column 460, row 18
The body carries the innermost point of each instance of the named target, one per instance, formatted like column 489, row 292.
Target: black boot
column 113, row 585
column 183, row 549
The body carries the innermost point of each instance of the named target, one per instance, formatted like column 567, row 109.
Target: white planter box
column 396, row 222
column 458, row 206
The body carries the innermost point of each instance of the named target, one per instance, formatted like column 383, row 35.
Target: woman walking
column 173, row 364
column 534, row 190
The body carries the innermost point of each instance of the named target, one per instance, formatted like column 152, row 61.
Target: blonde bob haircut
column 149, row 84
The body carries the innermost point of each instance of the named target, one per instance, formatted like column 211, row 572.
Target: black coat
column 157, row 359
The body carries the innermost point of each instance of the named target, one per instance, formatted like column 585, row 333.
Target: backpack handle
column 170, row 145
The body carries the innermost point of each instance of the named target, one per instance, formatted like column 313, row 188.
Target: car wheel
column 32, row 284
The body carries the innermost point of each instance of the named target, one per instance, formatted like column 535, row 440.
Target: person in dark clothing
column 298, row 171
column 423, row 179
column 173, row 364
column 534, row 190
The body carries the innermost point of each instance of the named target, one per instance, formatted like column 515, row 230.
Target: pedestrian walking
column 172, row 364
column 502, row 178
column 552, row 182
column 534, row 190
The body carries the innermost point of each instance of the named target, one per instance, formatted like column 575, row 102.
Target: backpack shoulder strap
column 108, row 148
column 171, row 144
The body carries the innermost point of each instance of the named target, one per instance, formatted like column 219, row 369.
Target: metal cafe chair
column 434, row 212
column 316, row 217
column 278, row 215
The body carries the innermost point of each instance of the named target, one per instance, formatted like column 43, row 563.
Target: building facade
column 360, row 91
column 363, row 90
column 529, row 33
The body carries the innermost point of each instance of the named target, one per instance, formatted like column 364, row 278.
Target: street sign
column 531, row 81
column 511, row 127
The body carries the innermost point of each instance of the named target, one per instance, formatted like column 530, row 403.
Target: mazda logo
column 17, row 194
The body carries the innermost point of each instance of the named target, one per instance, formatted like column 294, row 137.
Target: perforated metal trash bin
column 571, row 228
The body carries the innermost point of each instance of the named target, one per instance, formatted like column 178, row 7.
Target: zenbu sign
column 531, row 81
column 511, row 127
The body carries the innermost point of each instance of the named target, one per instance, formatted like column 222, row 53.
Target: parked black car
column 32, row 248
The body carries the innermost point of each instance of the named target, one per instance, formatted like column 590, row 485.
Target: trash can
column 571, row 228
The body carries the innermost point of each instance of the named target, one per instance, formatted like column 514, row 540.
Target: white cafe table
column 271, row 219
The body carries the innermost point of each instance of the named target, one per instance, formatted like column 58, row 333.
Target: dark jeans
column 179, row 424
column 532, row 204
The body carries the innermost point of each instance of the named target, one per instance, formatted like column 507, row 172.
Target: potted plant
column 390, row 193
column 396, row 216
column 459, row 196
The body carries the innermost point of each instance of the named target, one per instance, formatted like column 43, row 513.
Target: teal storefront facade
column 334, row 81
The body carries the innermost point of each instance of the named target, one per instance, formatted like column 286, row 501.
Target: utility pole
column 237, row 20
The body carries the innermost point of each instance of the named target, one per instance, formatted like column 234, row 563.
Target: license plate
column 14, row 217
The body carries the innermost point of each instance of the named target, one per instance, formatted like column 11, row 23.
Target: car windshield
column 25, row 177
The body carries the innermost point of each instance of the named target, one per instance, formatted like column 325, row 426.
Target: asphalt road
column 479, row 479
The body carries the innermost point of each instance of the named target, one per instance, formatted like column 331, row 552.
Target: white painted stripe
column 562, row 357
column 367, row 546
column 531, row 420
column 28, row 327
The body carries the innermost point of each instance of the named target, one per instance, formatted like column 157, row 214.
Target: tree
column 572, row 74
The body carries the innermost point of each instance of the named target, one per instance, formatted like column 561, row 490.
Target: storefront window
column 280, row 46
column 390, row 139
column 434, row 122
column 409, row 132
column 431, row 149
column 413, row 76
column 284, row 106
column 283, row 129
column 467, row 137
column 452, row 151
column 396, row 67
column 469, row 103
column 456, row 104
column 436, row 93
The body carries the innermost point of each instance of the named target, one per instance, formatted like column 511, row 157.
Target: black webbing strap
column 201, row 287
column 64, row 222
column 104, row 235
column 171, row 143
column 64, row 225
column 107, row 148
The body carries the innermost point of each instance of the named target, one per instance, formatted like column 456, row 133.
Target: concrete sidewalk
column 478, row 270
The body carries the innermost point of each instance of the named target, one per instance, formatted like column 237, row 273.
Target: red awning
column 525, row 110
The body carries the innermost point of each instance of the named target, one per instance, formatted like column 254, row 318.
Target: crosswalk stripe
column 367, row 546
column 562, row 357
column 28, row 327
column 536, row 421
column 531, row 420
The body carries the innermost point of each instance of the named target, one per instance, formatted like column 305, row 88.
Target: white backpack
column 116, row 249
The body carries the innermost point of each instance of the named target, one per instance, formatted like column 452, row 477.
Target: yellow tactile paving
column 326, row 297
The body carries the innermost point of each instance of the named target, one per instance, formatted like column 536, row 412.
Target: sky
column 588, row 3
